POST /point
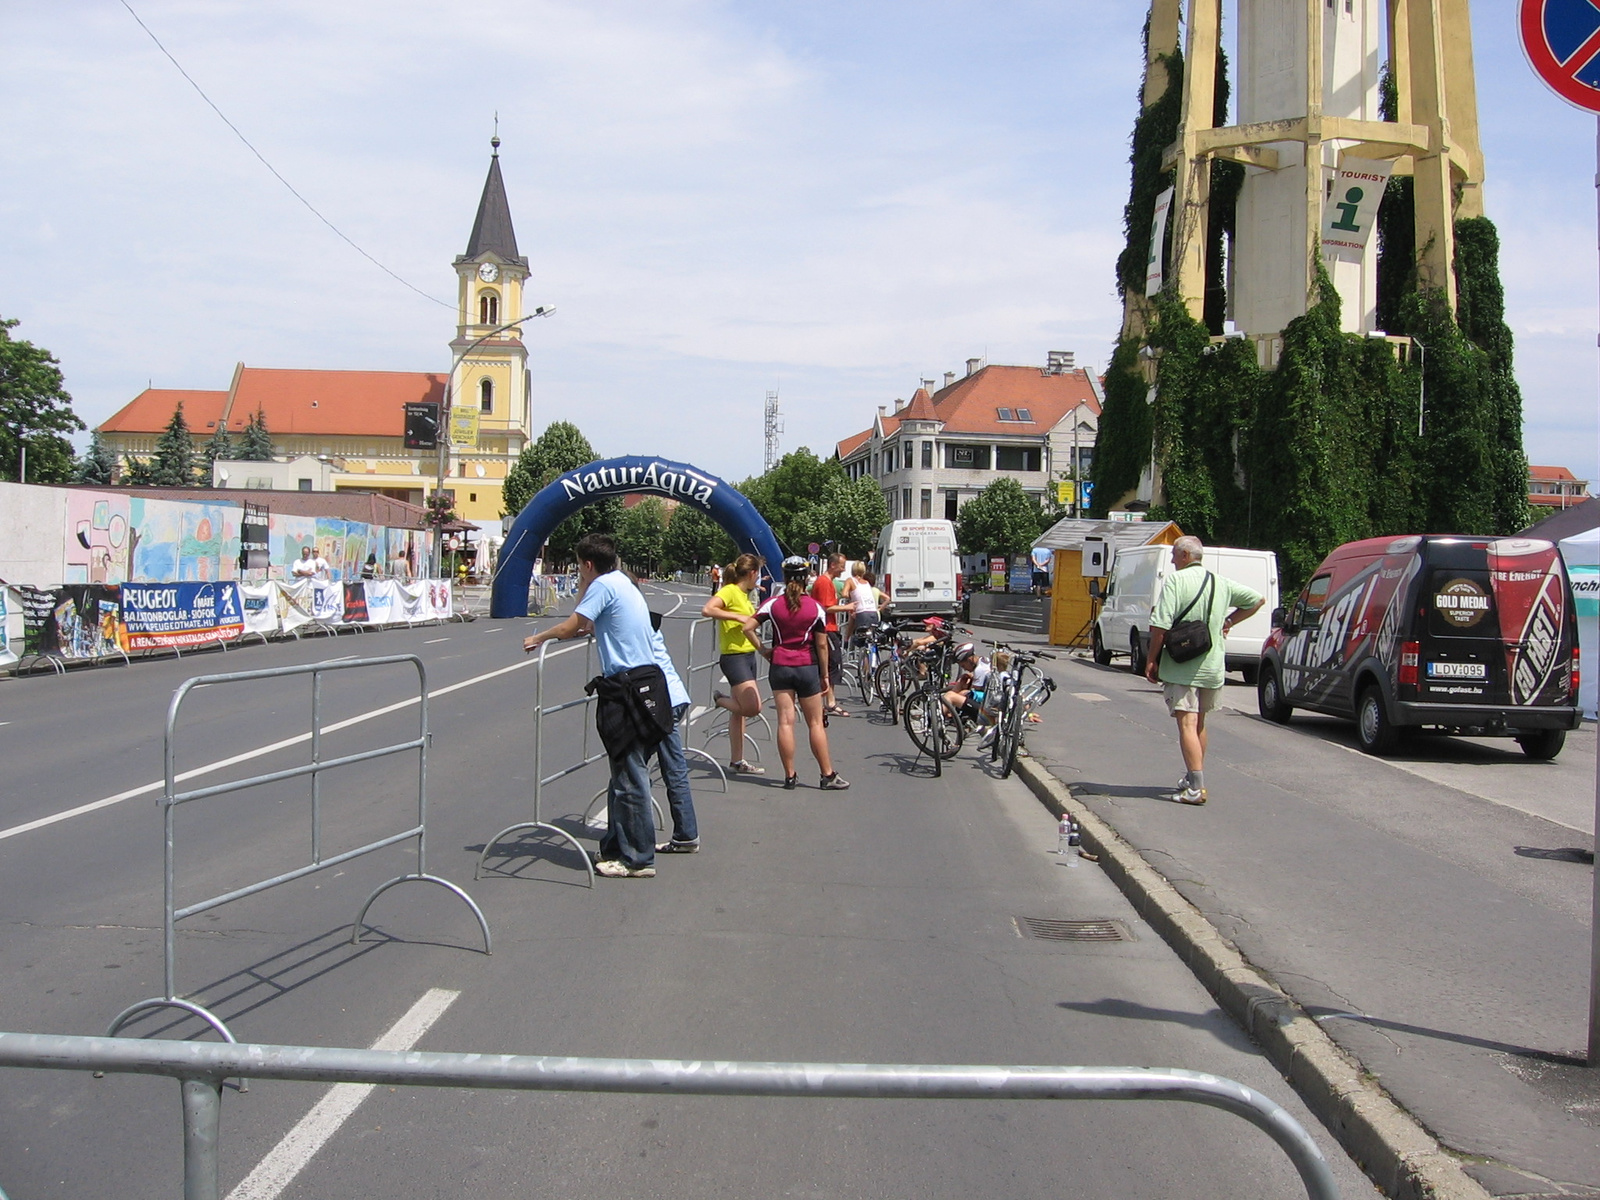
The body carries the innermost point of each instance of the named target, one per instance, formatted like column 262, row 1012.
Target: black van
column 1469, row 635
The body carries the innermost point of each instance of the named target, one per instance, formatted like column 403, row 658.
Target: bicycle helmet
column 795, row 567
column 965, row 651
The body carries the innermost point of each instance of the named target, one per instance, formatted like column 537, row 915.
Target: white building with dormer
column 932, row 455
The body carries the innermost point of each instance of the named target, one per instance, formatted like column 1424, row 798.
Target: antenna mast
column 773, row 428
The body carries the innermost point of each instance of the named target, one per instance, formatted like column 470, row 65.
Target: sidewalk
column 1438, row 937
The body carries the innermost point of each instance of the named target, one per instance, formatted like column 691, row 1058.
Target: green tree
column 849, row 515
column 693, row 540
column 641, row 534
column 98, row 464
column 174, row 462
column 1001, row 519
column 256, row 443
column 784, row 494
column 561, row 447
column 35, row 412
column 217, row 446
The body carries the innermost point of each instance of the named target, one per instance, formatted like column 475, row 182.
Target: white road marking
column 259, row 751
column 288, row 1158
column 432, row 641
column 1092, row 697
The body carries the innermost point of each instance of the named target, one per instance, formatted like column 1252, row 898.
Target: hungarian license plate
column 1457, row 670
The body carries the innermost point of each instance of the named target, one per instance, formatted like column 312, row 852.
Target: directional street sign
column 1562, row 41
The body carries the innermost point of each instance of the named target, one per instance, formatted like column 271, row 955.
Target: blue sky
column 829, row 199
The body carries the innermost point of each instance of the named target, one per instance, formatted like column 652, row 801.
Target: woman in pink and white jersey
column 799, row 656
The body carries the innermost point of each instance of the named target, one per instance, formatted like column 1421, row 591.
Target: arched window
column 486, row 396
column 488, row 308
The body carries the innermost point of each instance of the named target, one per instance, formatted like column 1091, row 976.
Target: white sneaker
column 1189, row 795
column 745, row 767
column 613, row 868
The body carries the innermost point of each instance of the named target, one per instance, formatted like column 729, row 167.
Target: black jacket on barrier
column 634, row 708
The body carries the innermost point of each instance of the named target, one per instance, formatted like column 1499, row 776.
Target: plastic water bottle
column 1068, row 833
column 1073, row 843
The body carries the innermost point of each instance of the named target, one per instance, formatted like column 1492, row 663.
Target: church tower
column 492, row 377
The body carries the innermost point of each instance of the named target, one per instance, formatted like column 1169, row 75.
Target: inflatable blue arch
column 567, row 493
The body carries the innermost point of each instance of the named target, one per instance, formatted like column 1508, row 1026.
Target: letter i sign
column 1562, row 41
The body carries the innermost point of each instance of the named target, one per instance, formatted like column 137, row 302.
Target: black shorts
column 804, row 681
column 739, row 668
column 835, row 656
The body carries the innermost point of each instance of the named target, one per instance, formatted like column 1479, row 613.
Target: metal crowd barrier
column 171, row 798
column 541, row 710
column 201, row 1067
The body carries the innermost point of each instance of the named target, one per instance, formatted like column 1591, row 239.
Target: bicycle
column 1016, row 691
column 932, row 727
column 875, row 647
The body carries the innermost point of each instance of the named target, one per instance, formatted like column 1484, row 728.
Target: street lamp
column 449, row 389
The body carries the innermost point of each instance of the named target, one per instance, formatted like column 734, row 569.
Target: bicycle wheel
column 1013, row 739
column 1001, row 708
column 867, row 674
column 886, row 681
column 932, row 730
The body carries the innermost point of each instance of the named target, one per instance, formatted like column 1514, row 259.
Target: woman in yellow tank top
column 733, row 606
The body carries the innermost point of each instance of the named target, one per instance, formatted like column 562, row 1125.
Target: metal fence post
column 202, row 1133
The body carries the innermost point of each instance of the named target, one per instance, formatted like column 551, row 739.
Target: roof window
column 1024, row 414
column 1005, row 414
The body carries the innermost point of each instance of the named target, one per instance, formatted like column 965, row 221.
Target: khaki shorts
column 1182, row 698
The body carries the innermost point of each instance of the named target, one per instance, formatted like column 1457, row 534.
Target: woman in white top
column 864, row 599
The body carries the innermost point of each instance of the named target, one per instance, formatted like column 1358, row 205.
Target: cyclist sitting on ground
column 968, row 688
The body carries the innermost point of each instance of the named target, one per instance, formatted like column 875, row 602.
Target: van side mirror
column 1280, row 616
column 1094, row 587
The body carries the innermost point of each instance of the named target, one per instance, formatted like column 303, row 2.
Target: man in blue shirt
column 611, row 607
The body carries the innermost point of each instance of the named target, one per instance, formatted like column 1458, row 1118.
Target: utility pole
column 773, row 428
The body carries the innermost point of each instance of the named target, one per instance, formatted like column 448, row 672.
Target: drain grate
column 1102, row 930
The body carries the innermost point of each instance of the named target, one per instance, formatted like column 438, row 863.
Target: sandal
column 833, row 710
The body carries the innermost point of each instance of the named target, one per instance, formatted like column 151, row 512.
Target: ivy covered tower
column 1313, row 347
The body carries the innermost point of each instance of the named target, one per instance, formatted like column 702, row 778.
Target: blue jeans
column 675, row 773
column 630, row 835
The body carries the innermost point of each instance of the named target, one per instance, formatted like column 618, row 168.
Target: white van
column 918, row 568
column 1134, row 586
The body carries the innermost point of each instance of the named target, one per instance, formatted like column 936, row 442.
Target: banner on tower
column 1153, row 267
column 463, row 425
column 1352, row 206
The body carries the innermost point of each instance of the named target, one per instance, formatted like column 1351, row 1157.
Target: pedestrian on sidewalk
column 824, row 592
column 799, row 655
column 613, row 610
column 1192, row 593
column 736, row 613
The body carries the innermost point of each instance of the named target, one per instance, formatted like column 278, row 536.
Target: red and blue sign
column 1562, row 41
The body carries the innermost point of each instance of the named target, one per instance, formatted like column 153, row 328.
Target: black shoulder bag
column 1190, row 639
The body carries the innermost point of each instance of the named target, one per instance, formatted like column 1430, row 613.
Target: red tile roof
column 337, row 403
column 972, row 405
column 151, row 409
column 1549, row 474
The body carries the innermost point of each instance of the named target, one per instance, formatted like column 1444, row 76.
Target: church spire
column 492, row 230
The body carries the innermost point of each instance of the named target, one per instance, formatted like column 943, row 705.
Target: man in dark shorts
column 826, row 595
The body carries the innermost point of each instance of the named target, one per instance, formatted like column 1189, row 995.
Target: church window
column 488, row 308
column 486, row 396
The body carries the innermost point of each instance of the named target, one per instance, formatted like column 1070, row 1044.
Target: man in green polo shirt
column 1191, row 688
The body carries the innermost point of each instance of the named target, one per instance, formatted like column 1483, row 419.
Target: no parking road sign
column 1562, row 41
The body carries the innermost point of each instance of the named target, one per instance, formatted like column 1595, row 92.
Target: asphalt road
column 882, row 924
column 1431, row 910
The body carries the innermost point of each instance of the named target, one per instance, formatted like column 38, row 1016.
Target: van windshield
column 1460, row 604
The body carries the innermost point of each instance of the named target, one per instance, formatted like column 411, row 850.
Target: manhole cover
column 1102, row 930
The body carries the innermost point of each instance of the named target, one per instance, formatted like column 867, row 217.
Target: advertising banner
column 463, row 424
column 1352, row 207
column 10, row 626
column 327, row 602
column 355, row 604
column 997, row 573
column 413, row 601
column 294, row 601
column 260, row 608
column 181, row 614
column 383, row 605
column 38, row 620
column 440, row 600
column 1153, row 268
column 1021, row 577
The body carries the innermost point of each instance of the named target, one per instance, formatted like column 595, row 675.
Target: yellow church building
column 356, row 419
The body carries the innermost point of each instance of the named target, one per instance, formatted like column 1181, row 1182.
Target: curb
column 1388, row 1143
